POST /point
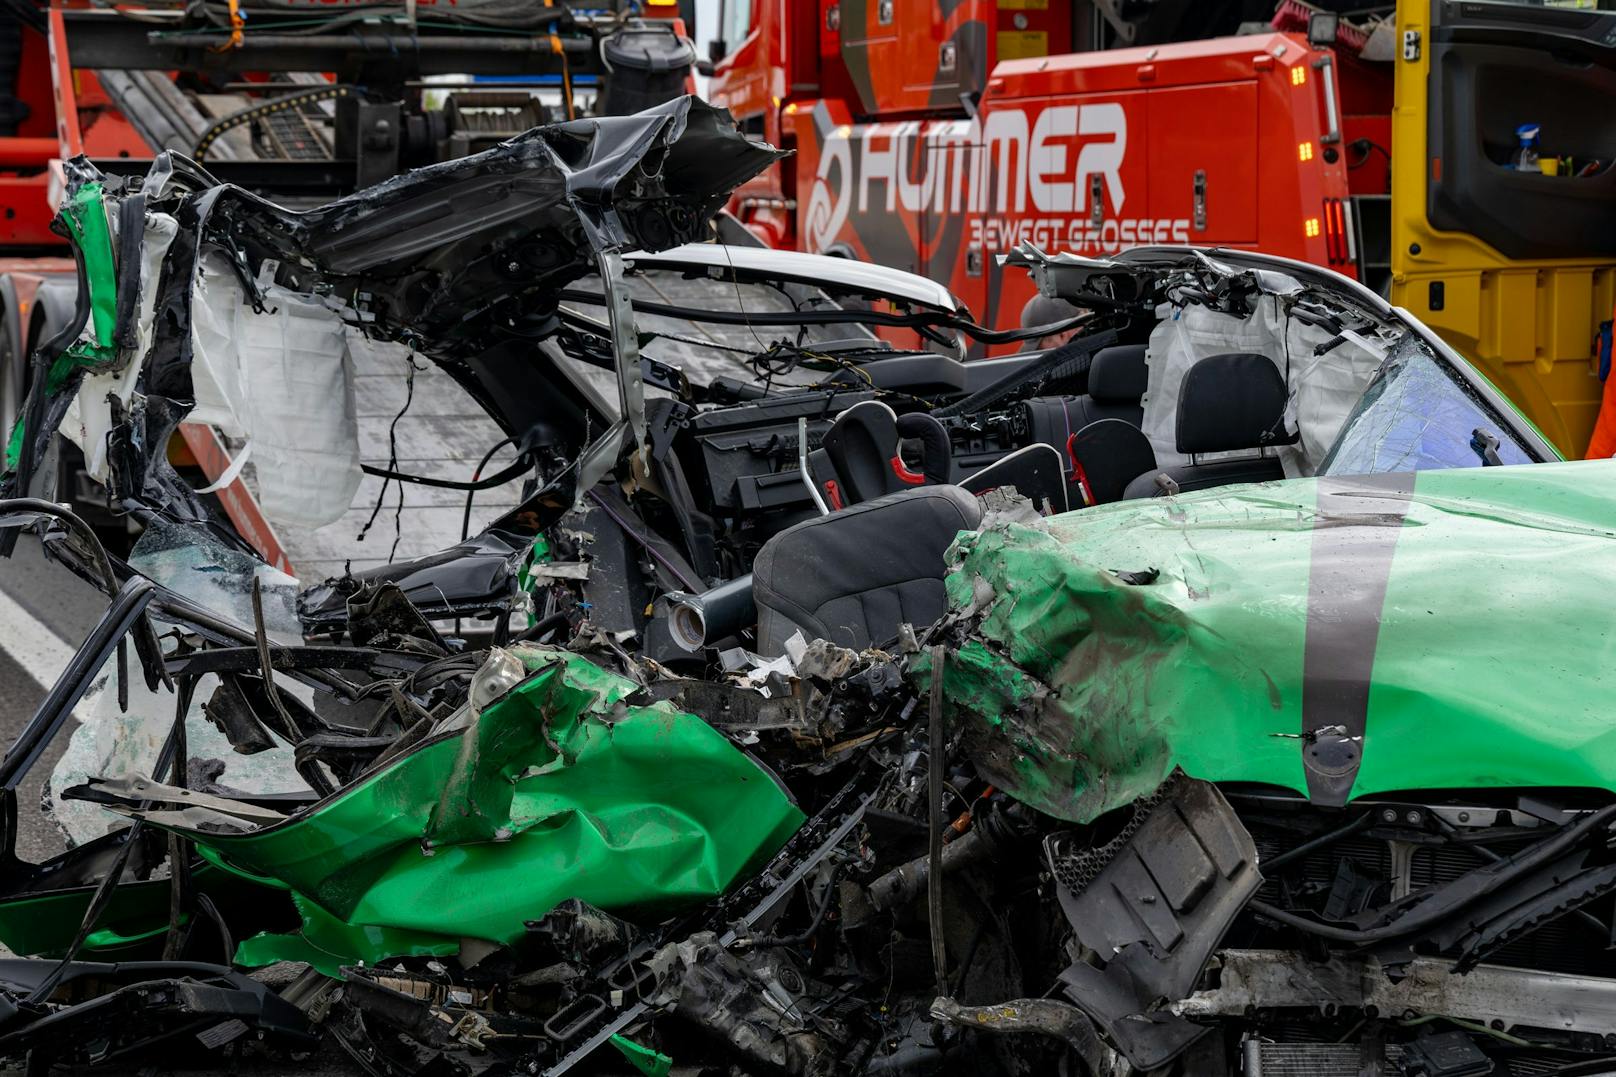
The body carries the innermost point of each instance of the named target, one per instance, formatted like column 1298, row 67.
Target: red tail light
column 1338, row 245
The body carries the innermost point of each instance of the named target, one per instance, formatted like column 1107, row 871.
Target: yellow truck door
column 1511, row 264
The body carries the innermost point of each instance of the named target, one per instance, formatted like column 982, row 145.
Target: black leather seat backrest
column 1227, row 403
column 1231, row 402
column 854, row 576
column 860, row 444
column 1118, row 375
column 1107, row 455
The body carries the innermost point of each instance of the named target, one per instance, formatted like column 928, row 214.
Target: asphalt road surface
column 45, row 611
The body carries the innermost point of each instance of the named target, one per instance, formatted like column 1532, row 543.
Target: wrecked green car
column 825, row 704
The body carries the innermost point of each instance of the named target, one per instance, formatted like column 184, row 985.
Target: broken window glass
column 1416, row 416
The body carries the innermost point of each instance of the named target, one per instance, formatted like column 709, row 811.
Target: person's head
column 1043, row 310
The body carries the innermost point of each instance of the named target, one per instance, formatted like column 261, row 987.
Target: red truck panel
column 918, row 56
column 1219, row 142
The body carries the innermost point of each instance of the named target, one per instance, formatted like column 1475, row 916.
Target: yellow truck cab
column 1512, row 266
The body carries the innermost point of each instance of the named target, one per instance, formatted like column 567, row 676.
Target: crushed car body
column 1213, row 693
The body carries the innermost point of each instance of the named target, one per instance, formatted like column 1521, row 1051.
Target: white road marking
column 41, row 653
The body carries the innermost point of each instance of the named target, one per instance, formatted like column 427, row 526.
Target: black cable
column 477, row 473
column 1040, row 369
column 1315, row 842
column 1363, row 147
column 392, row 464
column 814, row 925
column 540, row 627
column 499, row 478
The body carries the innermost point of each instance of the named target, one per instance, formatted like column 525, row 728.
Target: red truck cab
column 935, row 140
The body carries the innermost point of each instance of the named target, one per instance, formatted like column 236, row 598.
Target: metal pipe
column 696, row 620
column 904, row 883
column 390, row 44
column 802, row 466
column 1332, row 120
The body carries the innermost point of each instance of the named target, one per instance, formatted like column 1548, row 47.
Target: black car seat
column 1227, row 403
column 1105, row 457
column 862, row 447
column 1116, row 382
column 1117, row 379
column 854, row 576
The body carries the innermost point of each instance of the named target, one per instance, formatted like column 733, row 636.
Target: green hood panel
column 559, row 789
column 1336, row 637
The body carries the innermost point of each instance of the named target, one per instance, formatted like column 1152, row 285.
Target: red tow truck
column 933, row 140
column 933, row 135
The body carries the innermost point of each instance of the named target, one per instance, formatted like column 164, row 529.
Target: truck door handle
column 1326, row 68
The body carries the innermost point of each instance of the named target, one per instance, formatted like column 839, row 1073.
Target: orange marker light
column 1310, row 227
column 1304, row 152
column 1298, row 76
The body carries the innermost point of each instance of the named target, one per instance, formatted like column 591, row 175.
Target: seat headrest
column 1118, row 375
column 1230, row 402
column 937, row 449
column 861, row 444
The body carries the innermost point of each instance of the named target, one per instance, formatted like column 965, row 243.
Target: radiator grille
column 1306, row 1060
column 1342, row 1060
column 1562, row 945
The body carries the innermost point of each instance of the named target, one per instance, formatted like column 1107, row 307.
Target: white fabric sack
column 282, row 379
column 216, row 296
column 298, row 387
column 1187, row 335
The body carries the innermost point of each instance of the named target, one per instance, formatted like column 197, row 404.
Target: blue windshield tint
column 1416, row 416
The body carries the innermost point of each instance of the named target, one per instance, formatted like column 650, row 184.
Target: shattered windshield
column 1416, row 416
